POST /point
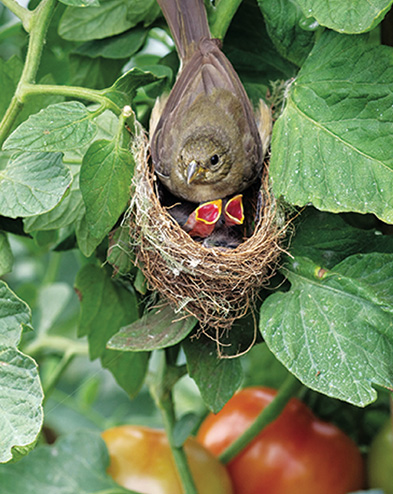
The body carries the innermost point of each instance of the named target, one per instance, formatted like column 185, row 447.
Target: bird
column 233, row 211
column 203, row 219
column 204, row 139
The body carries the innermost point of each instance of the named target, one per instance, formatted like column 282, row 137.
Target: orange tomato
column 141, row 460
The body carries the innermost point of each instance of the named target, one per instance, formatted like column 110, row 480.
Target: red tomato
column 141, row 460
column 295, row 454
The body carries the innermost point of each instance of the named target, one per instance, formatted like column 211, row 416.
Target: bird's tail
column 187, row 21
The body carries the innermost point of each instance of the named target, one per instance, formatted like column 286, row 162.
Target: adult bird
column 205, row 143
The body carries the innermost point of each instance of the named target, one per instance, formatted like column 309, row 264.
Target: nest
column 216, row 285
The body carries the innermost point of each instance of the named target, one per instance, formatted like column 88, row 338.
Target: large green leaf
column 20, row 389
column 105, row 308
column 332, row 144
column 14, row 315
column 217, row 378
column 105, row 181
column 110, row 18
column 121, row 46
column 123, row 91
column 120, row 253
column 58, row 127
column 346, row 16
column 283, row 18
column 250, row 49
column 334, row 329
column 94, row 73
column 87, row 241
column 327, row 239
column 157, row 329
column 32, row 183
column 75, row 464
column 64, row 214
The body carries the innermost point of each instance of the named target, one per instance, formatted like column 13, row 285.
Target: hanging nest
column 214, row 284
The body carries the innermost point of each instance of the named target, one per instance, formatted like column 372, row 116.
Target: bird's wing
column 207, row 70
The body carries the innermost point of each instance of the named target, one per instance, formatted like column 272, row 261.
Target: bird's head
column 204, row 159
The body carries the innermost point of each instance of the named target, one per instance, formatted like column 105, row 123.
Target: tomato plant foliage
column 74, row 77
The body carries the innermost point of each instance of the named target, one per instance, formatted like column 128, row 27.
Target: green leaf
column 20, row 389
column 75, row 464
column 10, row 72
column 14, row 315
column 332, row 144
column 20, row 403
column 105, row 181
column 56, row 128
column 94, row 73
column 346, row 16
column 32, row 183
column 124, row 89
column 243, row 42
column 217, row 378
column 186, row 426
column 64, row 214
column 282, row 18
column 110, row 18
column 120, row 254
column 107, row 127
column 87, row 241
column 121, row 46
column 327, row 239
column 105, row 308
column 156, row 329
column 34, row 103
column 6, row 257
column 334, row 329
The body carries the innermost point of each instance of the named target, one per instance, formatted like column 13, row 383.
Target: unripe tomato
column 380, row 459
column 141, row 460
column 295, row 454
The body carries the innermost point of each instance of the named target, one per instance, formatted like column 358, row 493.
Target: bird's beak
column 193, row 171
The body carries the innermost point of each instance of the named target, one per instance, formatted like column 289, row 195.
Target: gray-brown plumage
column 205, row 145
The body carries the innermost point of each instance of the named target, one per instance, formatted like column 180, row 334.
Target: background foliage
column 65, row 173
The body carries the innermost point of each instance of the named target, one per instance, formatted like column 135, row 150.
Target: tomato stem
column 165, row 378
column 288, row 389
column 21, row 12
column 177, row 451
column 38, row 22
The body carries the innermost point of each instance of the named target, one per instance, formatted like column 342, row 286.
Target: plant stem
column 38, row 24
column 166, row 405
column 55, row 343
column 289, row 388
column 162, row 380
column 21, row 12
column 78, row 92
column 65, row 361
column 221, row 17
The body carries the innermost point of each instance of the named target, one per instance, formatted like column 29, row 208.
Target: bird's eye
column 214, row 159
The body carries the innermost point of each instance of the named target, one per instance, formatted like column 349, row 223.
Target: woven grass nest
column 214, row 284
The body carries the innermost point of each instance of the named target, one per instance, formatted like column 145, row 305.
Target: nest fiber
column 216, row 285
